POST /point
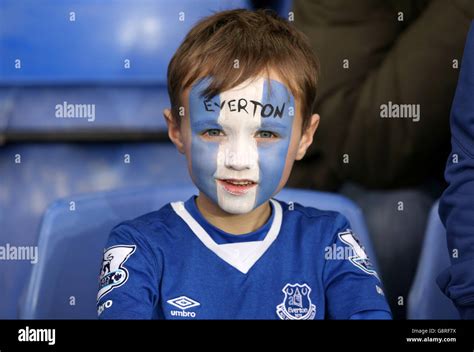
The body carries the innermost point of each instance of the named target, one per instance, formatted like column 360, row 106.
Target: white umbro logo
column 183, row 303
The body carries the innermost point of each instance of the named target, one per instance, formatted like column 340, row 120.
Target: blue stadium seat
column 84, row 61
column 426, row 301
column 71, row 243
column 51, row 171
column 64, row 42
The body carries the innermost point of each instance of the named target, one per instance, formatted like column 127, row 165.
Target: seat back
column 426, row 301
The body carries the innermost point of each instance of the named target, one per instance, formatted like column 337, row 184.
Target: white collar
column 229, row 255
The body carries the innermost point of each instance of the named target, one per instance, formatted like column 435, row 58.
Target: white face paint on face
column 240, row 142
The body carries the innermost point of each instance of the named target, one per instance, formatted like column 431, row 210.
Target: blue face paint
column 272, row 156
column 234, row 162
column 203, row 152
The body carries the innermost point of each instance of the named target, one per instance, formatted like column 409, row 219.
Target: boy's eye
column 213, row 132
column 266, row 134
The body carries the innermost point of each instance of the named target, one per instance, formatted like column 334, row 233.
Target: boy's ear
column 174, row 130
column 307, row 137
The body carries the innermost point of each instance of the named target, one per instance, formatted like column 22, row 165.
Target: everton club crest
column 296, row 304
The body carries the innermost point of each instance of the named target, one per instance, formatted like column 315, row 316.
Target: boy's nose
column 241, row 154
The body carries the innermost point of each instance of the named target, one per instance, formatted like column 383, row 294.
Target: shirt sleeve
column 351, row 283
column 129, row 276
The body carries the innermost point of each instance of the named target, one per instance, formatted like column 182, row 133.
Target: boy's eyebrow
column 266, row 123
column 275, row 123
column 205, row 123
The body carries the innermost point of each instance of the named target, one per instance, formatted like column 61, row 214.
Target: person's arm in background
column 456, row 207
column 407, row 62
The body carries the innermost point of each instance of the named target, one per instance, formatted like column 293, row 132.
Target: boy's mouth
column 235, row 186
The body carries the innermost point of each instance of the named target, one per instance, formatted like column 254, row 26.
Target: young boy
column 242, row 87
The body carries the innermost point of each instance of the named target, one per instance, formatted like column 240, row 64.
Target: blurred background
column 111, row 59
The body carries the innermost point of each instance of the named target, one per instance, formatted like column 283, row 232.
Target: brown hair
column 260, row 40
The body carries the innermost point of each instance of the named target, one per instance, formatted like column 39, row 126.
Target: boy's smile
column 236, row 186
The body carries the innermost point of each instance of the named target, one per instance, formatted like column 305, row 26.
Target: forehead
column 254, row 103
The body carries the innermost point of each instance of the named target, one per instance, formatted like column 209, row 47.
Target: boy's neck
column 236, row 224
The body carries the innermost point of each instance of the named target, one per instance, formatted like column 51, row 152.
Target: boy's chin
column 232, row 204
column 235, row 209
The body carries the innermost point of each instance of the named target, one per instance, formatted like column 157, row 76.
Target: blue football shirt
column 303, row 263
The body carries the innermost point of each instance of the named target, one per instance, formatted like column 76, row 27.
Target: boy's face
column 241, row 144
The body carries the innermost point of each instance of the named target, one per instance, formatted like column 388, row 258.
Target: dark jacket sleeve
column 403, row 62
column 456, row 207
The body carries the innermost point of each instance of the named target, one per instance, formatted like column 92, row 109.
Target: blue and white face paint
column 240, row 142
